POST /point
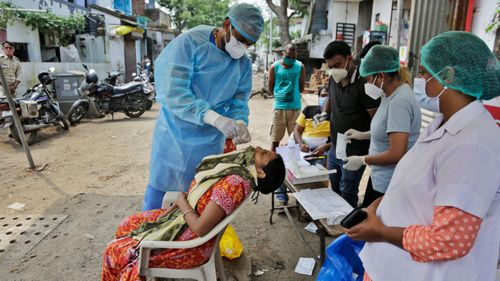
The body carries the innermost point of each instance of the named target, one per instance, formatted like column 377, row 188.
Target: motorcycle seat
column 128, row 87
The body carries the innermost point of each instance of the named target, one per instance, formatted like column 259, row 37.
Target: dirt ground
column 96, row 174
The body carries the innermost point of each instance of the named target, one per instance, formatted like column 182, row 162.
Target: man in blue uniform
column 203, row 85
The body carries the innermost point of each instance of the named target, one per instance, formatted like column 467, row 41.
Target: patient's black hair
column 275, row 175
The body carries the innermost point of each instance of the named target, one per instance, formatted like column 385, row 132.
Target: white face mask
column 235, row 48
column 338, row 74
column 373, row 91
column 426, row 102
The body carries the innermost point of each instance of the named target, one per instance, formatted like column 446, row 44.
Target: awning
column 126, row 29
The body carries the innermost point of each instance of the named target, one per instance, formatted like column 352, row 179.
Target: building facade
column 115, row 38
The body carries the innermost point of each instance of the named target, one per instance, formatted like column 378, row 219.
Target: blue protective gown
column 192, row 76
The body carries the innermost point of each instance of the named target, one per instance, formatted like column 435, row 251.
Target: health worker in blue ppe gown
column 203, row 83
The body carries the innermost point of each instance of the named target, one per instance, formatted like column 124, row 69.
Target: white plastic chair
column 205, row 272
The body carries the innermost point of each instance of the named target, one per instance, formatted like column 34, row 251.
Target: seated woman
column 220, row 185
column 311, row 134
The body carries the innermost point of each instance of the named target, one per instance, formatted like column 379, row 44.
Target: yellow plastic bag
column 230, row 245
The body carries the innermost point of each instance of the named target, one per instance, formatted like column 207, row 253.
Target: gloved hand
column 354, row 163
column 243, row 134
column 352, row 134
column 224, row 124
column 227, row 126
column 319, row 118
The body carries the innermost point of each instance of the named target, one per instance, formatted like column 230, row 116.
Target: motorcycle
column 148, row 86
column 6, row 119
column 108, row 99
column 37, row 109
column 112, row 77
column 144, row 77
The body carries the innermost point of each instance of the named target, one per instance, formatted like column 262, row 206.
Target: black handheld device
column 353, row 218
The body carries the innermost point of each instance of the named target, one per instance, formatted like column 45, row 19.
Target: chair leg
column 219, row 265
column 209, row 272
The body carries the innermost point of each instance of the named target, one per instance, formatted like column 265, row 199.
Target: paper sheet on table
column 305, row 266
column 292, row 156
column 322, row 202
column 312, row 171
column 340, row 148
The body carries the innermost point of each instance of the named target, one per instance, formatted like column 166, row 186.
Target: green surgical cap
column 247, row 20
column 462, row 61
column 379, row 59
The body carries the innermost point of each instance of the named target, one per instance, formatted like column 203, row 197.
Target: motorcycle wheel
column 76, row 114
column 31, row 136
column 64, row 123
column 149, row 104
column 140, row 104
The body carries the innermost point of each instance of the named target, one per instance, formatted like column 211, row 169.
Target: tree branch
column 295, row 12
column 274, row 8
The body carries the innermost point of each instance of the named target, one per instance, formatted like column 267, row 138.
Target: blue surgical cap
column 462, row 61
column 248, row 20
column 379, row 59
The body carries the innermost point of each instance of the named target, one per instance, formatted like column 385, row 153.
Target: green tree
column 281, row 12
column 190, row 13
column 495, row 21
column 264, row 38
column 53, row 25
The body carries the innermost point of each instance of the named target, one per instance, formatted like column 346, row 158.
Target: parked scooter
column 37, row 109
column 108, row 99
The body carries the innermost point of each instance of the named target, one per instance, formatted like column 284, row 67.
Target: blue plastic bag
column 342, row 261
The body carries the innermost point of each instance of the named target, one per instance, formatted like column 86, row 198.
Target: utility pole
column 399, row 29
column 270, row 48
column 17, row 121
column 12, row 106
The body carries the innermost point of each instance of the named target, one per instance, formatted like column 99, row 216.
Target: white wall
column 382, row 7
column 483, row 13
column 338, row 11
column 21, row 33
column 57, row 7
column 319, row 44
column 105, row 3
column 345, row 12
column 114, row 43
column 93, row 48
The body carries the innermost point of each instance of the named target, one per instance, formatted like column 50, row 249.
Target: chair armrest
column 174, row 244
column 194, row 242
column 169, row 198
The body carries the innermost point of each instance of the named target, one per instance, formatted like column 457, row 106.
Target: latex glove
column 319, row 118
column 354, row 163
column 243, row 134
column 352, row 134
column 224, row 124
